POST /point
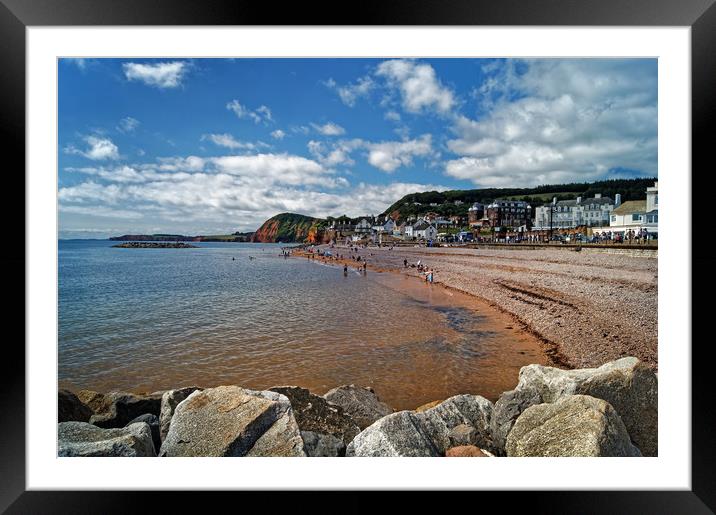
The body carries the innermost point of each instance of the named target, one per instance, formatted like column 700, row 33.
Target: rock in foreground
column 360, row 403
column 153, row 422
column 82, row 439
column 170, row 400
column 316, row 415
column 71, row 408
column 408, row 433
column 320, row 445
column 576, row 425
column 233, row 421
column 121, row 408
column 627, row 384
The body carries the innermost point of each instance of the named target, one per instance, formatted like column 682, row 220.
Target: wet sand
column 586, row 308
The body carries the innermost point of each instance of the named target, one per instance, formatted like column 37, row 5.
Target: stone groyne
column 605, row 411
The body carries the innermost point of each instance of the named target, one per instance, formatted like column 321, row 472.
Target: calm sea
column 231, row 313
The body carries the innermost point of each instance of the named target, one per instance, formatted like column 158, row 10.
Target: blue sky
column 207, row 146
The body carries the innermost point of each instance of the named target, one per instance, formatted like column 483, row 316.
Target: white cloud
column 301, row 129
column 329, row 129
column 128, row 124
column 160, row 75
column 550, row 121
column 392, row 116
column 181, row 164
column 419, row 87
column 228, row 141
column 102, row 211
column 388, row 156
column 278, row 134
column 91, row 191
column 194, row 200
column 122, row 173
column 338, row 154
column 98, row 149
column 260, row 115
column 350, row 93
column 77, row 61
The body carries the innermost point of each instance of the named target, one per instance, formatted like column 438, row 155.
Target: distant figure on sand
column 345, row 270
column 405, row 263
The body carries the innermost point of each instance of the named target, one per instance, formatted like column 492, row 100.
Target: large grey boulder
column 574, row 425
column 321, row 445
column 360, row 403
column 315, row 414
column 627, row 384
column 153, row 422
column 121, row 408
column 430, row 433
column 632, row 389
column 83, row 439
column 233, row 421
column 71, row 408
column 170, row 400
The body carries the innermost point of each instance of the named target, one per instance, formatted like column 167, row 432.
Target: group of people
column 641, row 235
column 422, row 269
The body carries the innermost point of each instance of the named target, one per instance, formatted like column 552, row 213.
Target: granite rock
column 83, row 439
column 233, row 421
column 627, row 384
column 322, row 445
column 574, row 425
column 359, row 403
column 315, row 414
column 170, row 400
column 408, row 433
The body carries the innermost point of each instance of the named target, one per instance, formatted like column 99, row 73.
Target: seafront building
column 638, row 216
column 508, row 213
column 568, row 214
column 423, row 230
column 475, row 214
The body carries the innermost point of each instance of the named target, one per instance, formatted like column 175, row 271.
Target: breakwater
column 606, row 411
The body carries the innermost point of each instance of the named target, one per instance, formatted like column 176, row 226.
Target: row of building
column 599, row 214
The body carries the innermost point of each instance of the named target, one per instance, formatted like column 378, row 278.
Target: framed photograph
column 417, row 234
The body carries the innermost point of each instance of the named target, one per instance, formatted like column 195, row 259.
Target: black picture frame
column 700, row 15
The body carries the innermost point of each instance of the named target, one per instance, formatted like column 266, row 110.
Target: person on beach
column 405, row 263
column 365, row 271
column 345, row 270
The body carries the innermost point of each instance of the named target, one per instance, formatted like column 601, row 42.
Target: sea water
column 144, row 320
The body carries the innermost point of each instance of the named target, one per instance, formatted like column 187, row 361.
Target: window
column 635, row 217
column 614, row 218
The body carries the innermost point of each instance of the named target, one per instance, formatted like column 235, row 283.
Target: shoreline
column 573, row 330
column 550, row 350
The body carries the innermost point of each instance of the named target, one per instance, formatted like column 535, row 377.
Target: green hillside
column 630, row 189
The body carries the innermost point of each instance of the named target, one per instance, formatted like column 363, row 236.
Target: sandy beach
column 586, row 307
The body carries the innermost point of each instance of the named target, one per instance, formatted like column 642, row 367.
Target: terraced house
column 567, row 214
